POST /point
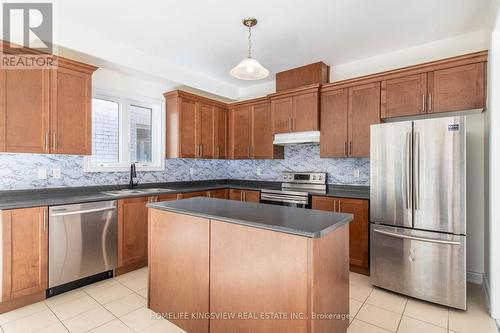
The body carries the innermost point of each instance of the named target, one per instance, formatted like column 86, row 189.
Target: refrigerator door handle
column 407, row 171
column 417, row 170
column 423, row 239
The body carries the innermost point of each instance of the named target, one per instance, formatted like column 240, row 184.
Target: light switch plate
column 42, row 173
column 56, row 173
column 258, row 172
column 355, row 173
column 191, row 171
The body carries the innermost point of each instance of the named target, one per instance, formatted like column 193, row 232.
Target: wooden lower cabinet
column 192, row 194
column 244, row 195
column 219, row 194
column 132, row 233
column 179, row 268
column 359, row 228
column 25, row 256
column 200, row 266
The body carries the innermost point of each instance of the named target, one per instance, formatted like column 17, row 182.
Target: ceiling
column 208, row 37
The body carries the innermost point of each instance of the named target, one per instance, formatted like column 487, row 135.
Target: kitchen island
column 228, row 266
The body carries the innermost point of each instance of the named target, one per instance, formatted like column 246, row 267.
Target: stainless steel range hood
column 296, row 137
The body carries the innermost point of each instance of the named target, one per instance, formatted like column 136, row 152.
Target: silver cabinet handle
column 46, row 140
column 429, row 101
column 423, row 103
column 44, row 219
column 73, row 212
column 201, row 149
column 54, row 140
column 248, row 151
column 423, row 239
column 290, row 124
column 350, row 148
column 293, row 124
column 345, row 148
column 407, row 158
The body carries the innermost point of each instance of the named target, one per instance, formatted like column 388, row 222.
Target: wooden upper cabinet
column 457, row 88
column 240, row 136
column 71, row 110
column 205, row 132
column 24, row 252
column 282, row 114
column 333, row 142
column 47, row 110
column 252, row 118
column 295, row 110
column 404, row 96
column 364, row 111
column 132, row 231
column 196, row 126
column 346, row 116
column 221, row 130
column 187, row 138
column 24, row 110
column 305, row 112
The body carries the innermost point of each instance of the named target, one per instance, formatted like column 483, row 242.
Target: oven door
column 285, row 200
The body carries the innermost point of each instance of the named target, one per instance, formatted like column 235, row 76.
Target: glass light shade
column 249, row 69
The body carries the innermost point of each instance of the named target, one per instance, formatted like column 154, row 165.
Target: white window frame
column 157, row 134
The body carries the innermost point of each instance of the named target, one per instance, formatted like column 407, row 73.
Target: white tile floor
column 115, row 305
column 375, row 310
column 119, row 305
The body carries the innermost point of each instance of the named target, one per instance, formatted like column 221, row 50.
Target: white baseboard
column 475, row 277
column 486, row 288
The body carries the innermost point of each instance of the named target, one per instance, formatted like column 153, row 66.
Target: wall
column 303, row 158
column 492, row 123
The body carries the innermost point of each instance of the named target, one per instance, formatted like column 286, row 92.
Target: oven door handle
column 282, row 199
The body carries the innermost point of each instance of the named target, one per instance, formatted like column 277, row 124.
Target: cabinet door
column 25, row 252
column 404, row 96
column 324, row 203
column 305, row 112
column 241, row 118
column 70, row 112
column 358, row 231
column 262, row 132
column 132, row 231
column 220, row 133
column 187, row 128
column 219, row 194
column 333, row 141
column 282, row 114
column 205, row 130
column 24, row 110
column 458, row 88
column 251, row 196
column 364, row 110
column 236, row 194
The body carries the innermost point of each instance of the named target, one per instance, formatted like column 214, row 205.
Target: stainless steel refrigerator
column 417, row 209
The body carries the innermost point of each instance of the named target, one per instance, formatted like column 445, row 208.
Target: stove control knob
column 314, row 178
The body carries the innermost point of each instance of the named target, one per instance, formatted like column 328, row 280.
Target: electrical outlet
column 191, row 171
column 355, row 173
column 56, row 173
column 258, row 171
column 42, row 173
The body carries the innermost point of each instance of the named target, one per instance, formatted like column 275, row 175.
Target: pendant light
column 249, row 68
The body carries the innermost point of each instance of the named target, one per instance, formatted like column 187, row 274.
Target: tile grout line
column 402, row 314
column 66, row 328
column 104, row 309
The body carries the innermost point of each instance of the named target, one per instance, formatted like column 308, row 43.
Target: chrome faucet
column 133, row 174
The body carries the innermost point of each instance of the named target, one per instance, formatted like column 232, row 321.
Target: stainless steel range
column 296, row 189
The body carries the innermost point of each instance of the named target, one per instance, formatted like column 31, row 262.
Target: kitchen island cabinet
column 263, row 268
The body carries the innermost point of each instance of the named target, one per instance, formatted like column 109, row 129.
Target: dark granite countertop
column 70, row 195
column 297, row 221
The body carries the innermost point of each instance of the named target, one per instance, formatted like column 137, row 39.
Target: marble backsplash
column 20, row 171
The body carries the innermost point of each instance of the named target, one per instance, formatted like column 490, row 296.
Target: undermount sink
column 127, row 191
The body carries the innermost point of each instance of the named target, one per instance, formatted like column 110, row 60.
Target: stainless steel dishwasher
column 82, row 243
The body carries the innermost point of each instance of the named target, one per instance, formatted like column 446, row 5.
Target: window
column 125, row 131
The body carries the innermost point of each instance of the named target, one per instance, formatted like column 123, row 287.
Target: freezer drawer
column 421, row 264
column 82, row 241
